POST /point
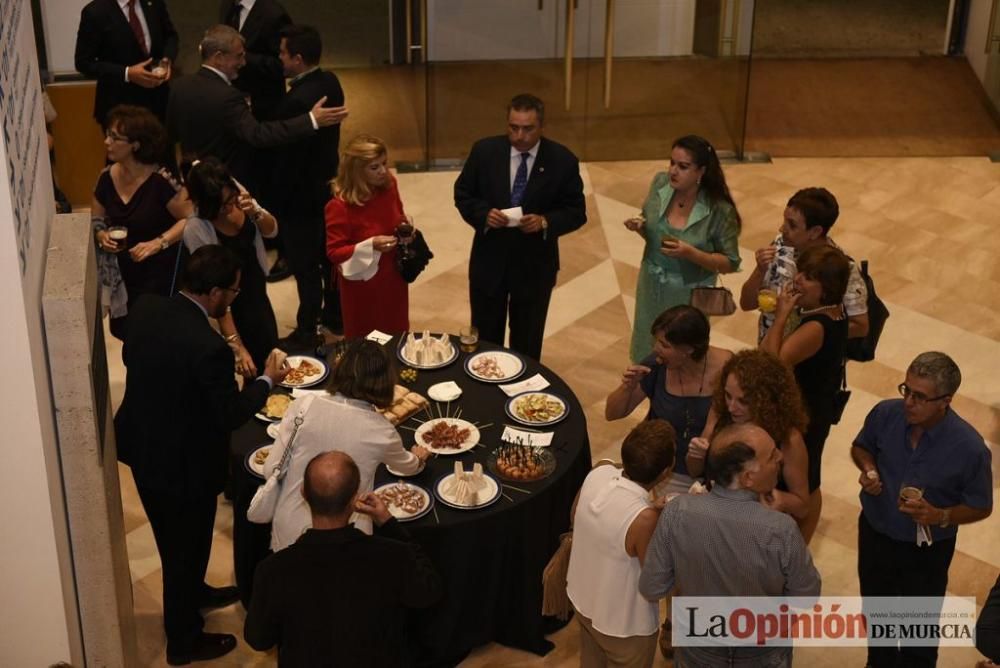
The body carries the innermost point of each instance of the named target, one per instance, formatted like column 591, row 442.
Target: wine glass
column 404, row 234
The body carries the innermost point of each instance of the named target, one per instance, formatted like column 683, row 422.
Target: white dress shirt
column 123, row 5
column 515, row 161
column 245, row 7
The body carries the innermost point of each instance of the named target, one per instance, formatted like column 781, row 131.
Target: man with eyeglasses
column 181, row 403
column 924, row 471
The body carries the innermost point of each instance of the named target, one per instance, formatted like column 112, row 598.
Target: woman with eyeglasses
column 691, row 228
column 135, row 193
column 227, row 215
column 815, row 350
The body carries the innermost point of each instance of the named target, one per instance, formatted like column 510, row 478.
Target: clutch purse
column 713, row 300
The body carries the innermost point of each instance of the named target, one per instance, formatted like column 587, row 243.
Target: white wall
column 975, row 38
column 60, row 19
column 38, row 619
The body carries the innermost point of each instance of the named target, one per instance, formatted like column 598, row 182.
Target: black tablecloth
column 491, row 559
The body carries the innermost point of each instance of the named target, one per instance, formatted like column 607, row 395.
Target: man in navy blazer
column 181, row 403
column 260, row 22
column 514, row 261
column 109, row 50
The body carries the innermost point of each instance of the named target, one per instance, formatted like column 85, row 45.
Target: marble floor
column 926, row 225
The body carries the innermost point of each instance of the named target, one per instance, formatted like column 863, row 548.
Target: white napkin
column 363, row 263
column 535, row 439
column 298, row 392
column 532, row 384
column 514, row 216
column 379, row 337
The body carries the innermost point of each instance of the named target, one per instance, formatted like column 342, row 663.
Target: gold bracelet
column 232, row 338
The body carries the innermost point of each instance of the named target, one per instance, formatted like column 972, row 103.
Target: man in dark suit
column 338, row 597
column 300, row 186
column 208, row 116
column 520, row 193
column 260, row 22
column 181, row 403
column 121, row 43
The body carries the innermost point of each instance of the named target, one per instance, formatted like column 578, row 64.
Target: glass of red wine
column 404, row 234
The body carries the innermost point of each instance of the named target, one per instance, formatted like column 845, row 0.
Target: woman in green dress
column 691, row 227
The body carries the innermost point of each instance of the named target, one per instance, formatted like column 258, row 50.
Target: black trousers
column 182, row 527
column 528, row 307
column 305, row 250
column 888, row 567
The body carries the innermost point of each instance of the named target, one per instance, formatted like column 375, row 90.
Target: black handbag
column 416, row 260
column 862, row 349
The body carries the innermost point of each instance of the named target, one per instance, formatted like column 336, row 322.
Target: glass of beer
column 119, row 235
column 468, row 339
column 910, row 491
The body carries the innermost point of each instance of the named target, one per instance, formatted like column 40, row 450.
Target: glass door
column 620, row 80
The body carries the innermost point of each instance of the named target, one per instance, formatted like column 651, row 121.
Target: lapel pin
column 541, row 169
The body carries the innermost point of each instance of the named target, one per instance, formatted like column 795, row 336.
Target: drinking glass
column 119, row 235
column 468, row 339
column 404, row 234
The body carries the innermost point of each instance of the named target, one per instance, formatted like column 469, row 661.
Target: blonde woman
column 361, row 222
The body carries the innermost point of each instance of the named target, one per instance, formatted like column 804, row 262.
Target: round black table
column 491, row 560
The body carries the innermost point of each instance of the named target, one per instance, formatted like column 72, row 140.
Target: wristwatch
column 164, row 244
column 945, row 517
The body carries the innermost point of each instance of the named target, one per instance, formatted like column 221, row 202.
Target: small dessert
column 521, row 462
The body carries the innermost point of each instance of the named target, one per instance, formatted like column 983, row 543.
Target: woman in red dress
column 361, row 222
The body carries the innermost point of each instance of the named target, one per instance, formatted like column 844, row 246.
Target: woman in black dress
column 136, row 193
column 229, row 216
column 815, row 349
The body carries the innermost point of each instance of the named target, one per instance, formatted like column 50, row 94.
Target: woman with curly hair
column 755, row 386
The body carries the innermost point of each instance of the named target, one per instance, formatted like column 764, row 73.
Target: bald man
column 337, row 593
column 730, row 543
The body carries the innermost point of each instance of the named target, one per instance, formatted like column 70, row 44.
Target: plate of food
column 467, row 490
column 447, row 436
column 255, row 460
column 275, row 408
column 428, row 351
column 306, row 371
column 495, row 366
column 521, row 463
column 537, row 409
column 405, row 500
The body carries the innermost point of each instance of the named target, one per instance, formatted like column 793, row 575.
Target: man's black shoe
column 300, row 340
column 207, row 646
column 218, row 597
column 279, row 271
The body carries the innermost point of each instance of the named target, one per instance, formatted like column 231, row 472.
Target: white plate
column 400, row 474
column 467, row 444
column 486, row 497
column 403, row 358
column 400, row 514
column 509, row 364
column 448, row 391
column 253, row 466
column 309, row 381
column 511, row 405
column 272, row 430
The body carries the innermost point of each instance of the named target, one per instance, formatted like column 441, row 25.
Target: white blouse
column 331, row 423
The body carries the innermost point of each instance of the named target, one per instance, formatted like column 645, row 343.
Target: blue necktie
column 520, row 181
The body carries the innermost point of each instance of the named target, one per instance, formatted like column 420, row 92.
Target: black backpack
column 862, row 349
